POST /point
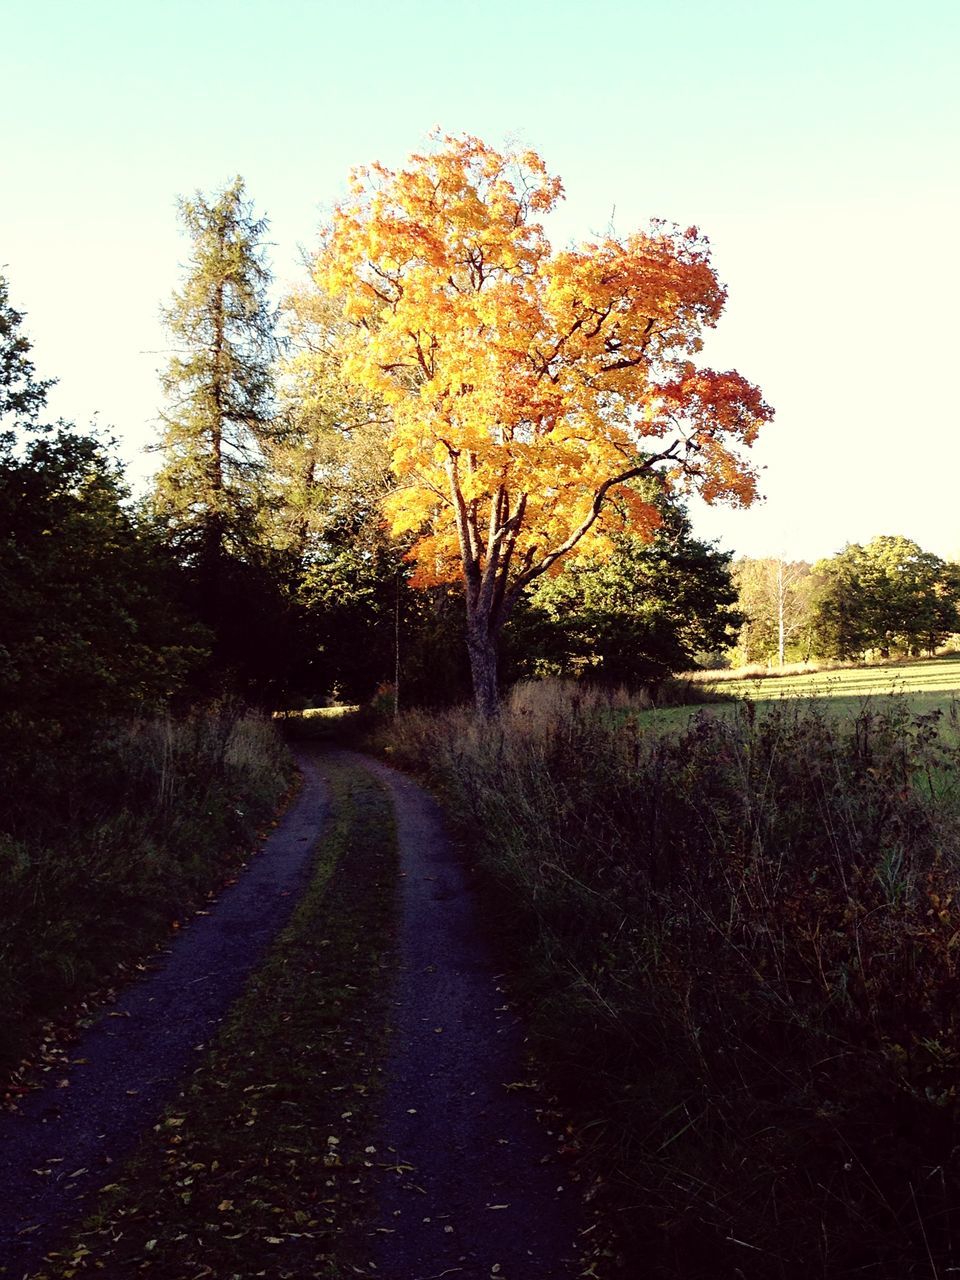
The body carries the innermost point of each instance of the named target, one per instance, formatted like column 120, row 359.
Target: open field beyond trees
column 927, row 684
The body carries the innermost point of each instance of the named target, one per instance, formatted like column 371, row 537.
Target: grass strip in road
column 264, row 1165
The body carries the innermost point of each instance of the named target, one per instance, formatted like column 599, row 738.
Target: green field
column 927, row 685
column 932, row 685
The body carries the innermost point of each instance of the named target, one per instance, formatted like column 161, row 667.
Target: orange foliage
column 526, row 385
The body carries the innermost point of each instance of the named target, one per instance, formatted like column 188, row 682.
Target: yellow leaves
column 543, row 374
column 407, row 510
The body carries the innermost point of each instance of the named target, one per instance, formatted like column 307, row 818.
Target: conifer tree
column 218, row 385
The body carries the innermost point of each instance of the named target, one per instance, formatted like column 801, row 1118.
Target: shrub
column 104, row 850
column 745, row 942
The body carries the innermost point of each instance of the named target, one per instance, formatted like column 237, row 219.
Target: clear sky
column 816, row 143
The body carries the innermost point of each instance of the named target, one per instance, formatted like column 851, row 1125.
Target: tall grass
column 102, row 850
column 744, row 938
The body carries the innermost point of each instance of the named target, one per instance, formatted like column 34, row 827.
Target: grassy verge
column 740, row 941
column 100, row 854
column 263, row 1166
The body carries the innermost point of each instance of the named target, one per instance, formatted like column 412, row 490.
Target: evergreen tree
column 220, row 427
column 776, row 597
column 219, row 414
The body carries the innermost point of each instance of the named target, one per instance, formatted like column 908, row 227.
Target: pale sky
column 815, row 143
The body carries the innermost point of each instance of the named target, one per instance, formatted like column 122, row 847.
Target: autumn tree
column 776, row 597
column 526, row 386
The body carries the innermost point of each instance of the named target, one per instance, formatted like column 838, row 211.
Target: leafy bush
column 744, row 937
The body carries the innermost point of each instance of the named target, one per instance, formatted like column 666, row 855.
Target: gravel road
column 476, row 1191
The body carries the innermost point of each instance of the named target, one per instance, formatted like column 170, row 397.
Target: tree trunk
column 482, row 647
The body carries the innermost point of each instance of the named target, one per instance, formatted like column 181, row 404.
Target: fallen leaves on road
column 260, row 1159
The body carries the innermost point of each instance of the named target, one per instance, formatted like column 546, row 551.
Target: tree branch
column 471, row 568
column 534, row 571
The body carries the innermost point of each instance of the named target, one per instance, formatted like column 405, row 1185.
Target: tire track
column 60, row 1145
column 478, row 1192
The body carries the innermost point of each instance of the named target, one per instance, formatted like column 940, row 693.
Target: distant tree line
column 885, row 598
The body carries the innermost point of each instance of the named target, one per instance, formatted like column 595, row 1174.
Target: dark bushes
column 117, row 843
column 746, row 937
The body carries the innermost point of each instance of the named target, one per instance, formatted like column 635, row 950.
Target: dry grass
column 742, row 942
column 103, row 851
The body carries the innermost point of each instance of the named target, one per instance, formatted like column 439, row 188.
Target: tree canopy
column 22, row 396
column 887, row 594
column 647, row 609
column 219, row 382
column 525, row 385
column 90, row 627
column 776, row 597
column 213, row 491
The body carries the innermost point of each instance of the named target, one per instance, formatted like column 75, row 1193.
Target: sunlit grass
column 939, row 677
column 313, row 713
column 928, row 686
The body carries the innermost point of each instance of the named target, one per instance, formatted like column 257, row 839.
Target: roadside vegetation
column 133, row 835
column 738, row 941
column 264, row 1165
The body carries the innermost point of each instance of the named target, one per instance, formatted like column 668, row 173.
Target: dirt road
column 123, row 1071
column 478, row 1192
column 474, row 1190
